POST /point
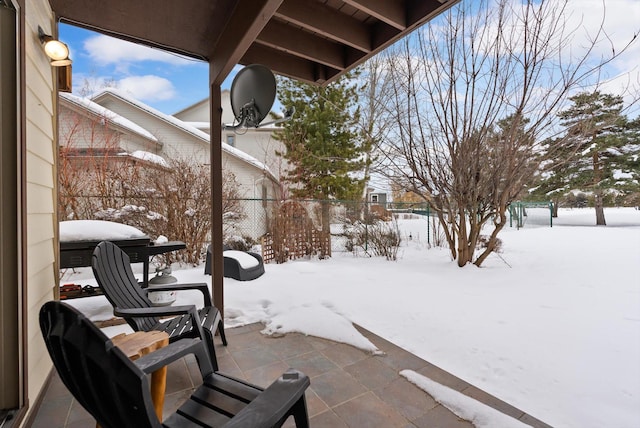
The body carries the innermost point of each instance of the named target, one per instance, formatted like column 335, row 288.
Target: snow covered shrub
column 240, row 243
column 380, row 238
column 173, row 199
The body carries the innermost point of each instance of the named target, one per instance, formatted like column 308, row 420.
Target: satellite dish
column 253, row 92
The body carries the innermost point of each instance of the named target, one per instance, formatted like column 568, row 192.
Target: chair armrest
column 274, row 403
column 164, row 311
column 159, row 311
column 164, row 356
column 203, row 287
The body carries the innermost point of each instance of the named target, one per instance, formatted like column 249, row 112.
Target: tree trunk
column 600, row 221
column 465, row 252
column 598, row 203
column 325, row 247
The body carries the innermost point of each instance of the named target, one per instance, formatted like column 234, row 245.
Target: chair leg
column 300, row 414
column 221, row 332
column 212, row 350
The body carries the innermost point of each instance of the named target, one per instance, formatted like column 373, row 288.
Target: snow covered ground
column 551, row 325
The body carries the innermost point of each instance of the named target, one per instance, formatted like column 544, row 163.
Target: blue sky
column 170, row 83
column 162, row 80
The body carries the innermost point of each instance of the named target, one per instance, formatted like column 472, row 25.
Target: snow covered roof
column 199, row 125
column 183, row 126
column 113, row 117
column 150, row 157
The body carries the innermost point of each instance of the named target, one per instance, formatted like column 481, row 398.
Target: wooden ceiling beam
column 421, row 11
column 329, row 23
column 280, row 36
column 392, row 13
column 247, row 21
column 288, row 65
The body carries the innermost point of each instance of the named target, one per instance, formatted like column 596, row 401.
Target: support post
column 217, row 261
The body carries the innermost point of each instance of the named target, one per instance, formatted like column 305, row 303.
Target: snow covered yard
column 551, row 325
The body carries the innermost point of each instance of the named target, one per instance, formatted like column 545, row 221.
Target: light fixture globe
column 57, row 51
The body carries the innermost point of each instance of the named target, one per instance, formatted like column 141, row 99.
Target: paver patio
column 349, row 387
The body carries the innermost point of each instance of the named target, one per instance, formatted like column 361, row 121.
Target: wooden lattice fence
column 293, row 235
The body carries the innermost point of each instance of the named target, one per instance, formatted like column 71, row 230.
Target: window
column 374, row 199
column 231, row 140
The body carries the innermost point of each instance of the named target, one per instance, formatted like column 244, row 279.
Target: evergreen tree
column 599, row 152
column 324, row 149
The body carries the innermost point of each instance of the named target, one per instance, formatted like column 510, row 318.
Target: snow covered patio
column 349, row 387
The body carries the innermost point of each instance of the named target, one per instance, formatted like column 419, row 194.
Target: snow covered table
column 78, row 239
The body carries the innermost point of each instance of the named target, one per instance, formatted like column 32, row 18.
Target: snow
column 96, row 230
column 150, row 157
column 551, row 325
column 245, row 260
column 481, row 415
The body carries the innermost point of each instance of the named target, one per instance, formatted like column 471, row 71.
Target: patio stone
column 312, row 364
column 289, row 346
column 399, row 359
column 436, row 374
column 492, row 401
column 180, row 378
column 372, row 373
column 344, row 355
column 327, row 419
column 369, row 411
column 315, row 405
column 336, row 387
column 248, row 359
column 535, row 423
column 409, row 400
column 440, row 416
column 264, row 376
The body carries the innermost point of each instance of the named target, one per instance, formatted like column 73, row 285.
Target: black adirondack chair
column 116, row 392
column 113, row 273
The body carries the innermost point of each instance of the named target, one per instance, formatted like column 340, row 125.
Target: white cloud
column 147, row 88
column 106, row 50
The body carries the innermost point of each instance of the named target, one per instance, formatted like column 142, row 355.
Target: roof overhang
column 315, row 41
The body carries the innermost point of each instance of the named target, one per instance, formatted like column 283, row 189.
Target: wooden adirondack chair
column 113, row 273
column 116, row 392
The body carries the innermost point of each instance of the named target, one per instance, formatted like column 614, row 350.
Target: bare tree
column 472, row 98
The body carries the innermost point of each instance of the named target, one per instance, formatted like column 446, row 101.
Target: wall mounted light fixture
column 57, row 51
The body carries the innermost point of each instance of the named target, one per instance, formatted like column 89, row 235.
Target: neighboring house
column 257, row 142
column 133, row 127
column 84, row 127
column 227, row 34
column 378, row 198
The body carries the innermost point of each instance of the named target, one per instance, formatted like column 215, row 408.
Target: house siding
column 41, row 222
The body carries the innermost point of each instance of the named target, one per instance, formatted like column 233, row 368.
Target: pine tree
column 599, row 152
column 324, row 149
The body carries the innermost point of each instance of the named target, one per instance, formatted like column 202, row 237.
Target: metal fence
column 294, row 228
column 283, row 233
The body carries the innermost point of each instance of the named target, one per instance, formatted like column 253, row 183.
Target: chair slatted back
column 112, row 269
column 103, row 380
